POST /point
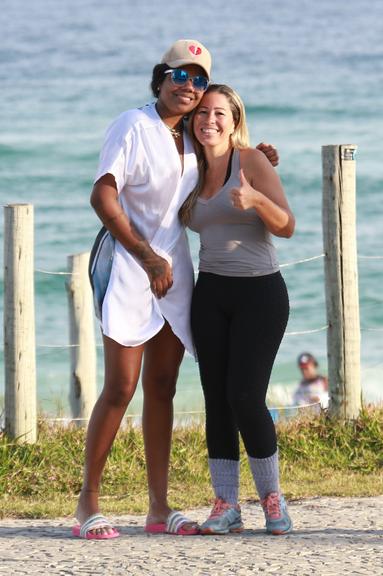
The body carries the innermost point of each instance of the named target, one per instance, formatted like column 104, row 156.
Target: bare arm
column 104, row 200
column 260, row 188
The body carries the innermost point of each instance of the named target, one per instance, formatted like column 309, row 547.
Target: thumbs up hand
column 243, row 197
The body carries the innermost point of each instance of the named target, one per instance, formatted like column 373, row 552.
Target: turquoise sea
column 310, row 73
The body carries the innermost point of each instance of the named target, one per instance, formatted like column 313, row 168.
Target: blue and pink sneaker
column 224, row 518
column 278, row 520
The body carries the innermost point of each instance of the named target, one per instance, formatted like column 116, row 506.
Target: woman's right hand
column 160, row 274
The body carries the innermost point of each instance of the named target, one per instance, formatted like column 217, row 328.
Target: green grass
column 318, row 455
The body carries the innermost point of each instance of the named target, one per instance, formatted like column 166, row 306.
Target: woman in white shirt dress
column 147, row 169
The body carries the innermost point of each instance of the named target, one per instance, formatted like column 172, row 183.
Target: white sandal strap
column 175, row 521
column 93, row 522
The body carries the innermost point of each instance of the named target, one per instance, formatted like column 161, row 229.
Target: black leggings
column 238, row 324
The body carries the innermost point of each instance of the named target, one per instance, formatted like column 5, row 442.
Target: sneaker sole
column 232, row 530
column 280, row 532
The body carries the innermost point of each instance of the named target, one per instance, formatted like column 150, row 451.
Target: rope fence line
column 60, row 346
column 283, row 408
column 307, row 331
column 100, row 345
column 286, row 264
column 296, row 333
column 292, row 263
column 195, row 271
column 283, row 265
column 56, row 273
column 57, row 345
column 302, row 261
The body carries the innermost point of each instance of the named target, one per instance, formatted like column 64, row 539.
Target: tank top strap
column 235, row 166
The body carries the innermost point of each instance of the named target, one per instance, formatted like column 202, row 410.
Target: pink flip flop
column 175, row 524
column 92, row 523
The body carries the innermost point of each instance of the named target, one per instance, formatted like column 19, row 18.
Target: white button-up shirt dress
column 139, row 151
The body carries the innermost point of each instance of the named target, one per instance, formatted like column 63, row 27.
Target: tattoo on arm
column 155, row 270
column 142, row 250
column 135, row 243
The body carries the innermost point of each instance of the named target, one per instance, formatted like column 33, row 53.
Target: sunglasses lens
column 180, row 76
column 200, row 82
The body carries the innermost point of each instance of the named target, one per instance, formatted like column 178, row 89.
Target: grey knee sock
column 266, row 474
column 225, row 479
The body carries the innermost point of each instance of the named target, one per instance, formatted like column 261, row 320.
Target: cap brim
column 178, row 63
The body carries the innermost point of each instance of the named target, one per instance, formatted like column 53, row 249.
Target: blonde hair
column 239, row 139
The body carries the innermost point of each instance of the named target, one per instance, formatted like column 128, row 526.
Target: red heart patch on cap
column 196, row 50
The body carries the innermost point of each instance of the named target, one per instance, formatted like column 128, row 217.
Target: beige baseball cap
column 185, row 52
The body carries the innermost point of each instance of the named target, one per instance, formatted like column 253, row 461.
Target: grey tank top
column 233, row 242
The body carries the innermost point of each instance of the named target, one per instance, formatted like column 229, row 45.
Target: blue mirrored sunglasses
column 180, row 77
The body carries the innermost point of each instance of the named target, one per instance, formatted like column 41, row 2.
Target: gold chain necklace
column 175, row 132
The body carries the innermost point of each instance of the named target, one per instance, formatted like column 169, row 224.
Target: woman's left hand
column 243, row 196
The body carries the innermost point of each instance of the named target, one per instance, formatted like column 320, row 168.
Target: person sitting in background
column 313, row 388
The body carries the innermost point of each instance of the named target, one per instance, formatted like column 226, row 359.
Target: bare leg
column 163, row 356
column 122, row 370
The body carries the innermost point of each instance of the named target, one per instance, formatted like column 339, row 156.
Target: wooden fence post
column 341, row 276
column 83, row 389
column 19, row 324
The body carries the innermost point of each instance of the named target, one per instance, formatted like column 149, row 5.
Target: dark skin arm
column 104, row 200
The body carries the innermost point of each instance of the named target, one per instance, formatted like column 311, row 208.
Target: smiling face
column 213, row 122
column 175, row 100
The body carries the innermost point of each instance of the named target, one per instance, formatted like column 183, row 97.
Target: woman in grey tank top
column 240, row 304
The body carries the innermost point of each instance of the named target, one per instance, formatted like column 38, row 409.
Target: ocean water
column 309, row 73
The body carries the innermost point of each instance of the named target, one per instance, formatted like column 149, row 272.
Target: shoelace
column 219, row 506
column 272, row 505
